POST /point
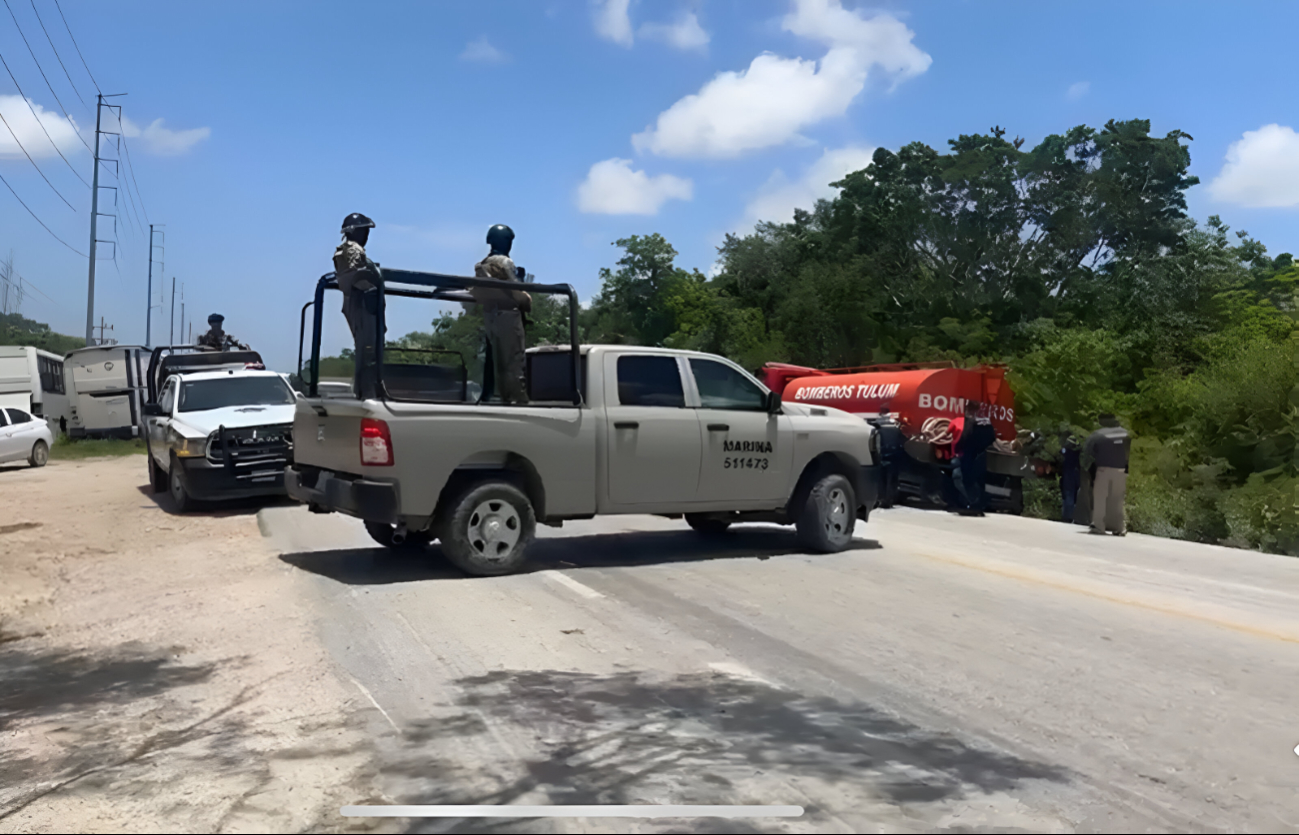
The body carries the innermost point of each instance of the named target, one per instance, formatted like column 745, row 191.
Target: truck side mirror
column 773, row 403
column 153, row 410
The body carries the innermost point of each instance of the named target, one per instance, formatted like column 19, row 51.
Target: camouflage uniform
column 503, row 316
column 219, row 340
column 357, row 277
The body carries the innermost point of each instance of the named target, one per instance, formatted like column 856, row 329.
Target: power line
column 74, row 44
column 28, row 102
column 52, row 93
column 37, row 219
column 131, row 170
column 61, row 64
column 33, row 162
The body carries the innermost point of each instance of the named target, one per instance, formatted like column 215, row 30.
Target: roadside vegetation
column 1073, row 261
column 66, row 449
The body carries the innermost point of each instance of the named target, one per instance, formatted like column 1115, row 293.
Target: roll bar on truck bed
column 434, row 287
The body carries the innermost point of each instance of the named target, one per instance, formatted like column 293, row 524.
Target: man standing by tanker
column 1107, row 449
column 358, row 277
column 503, row 313
column 971, row 470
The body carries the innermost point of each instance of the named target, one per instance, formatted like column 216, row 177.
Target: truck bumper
column 207, row 481
column 373, row 501
column 868, row 489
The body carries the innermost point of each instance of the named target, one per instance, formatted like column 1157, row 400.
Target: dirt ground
column 156, row 671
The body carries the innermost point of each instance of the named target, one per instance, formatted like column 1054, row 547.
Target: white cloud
column 1078, row 90
column 482, row 52
column 777, row 199
column 611, row 187
column 164, row 141
column 686, row 33
column 1262, row 169
column 612, row 21
column 775, row 98
column 19, row 116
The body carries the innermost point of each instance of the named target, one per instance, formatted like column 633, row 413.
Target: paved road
column 944, row 674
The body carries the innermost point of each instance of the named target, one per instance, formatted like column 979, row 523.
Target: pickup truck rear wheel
column 488, row 528
column 382, row 533
column 706, row 524
column 827, row 520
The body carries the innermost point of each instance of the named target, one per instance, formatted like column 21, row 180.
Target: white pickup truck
column 217, row 426
column 645, row 430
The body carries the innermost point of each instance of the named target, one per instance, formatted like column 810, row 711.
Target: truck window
column 650, row 381
column 550, row 376
column 722, row 387
column 201, row 395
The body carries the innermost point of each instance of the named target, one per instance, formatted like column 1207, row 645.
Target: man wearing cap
column 358, row 277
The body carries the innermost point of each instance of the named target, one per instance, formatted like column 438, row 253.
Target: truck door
column 157, row 426
column 747, row 453
column 651, row 437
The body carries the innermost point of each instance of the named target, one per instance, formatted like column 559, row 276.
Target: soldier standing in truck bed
column 503, row 316
column 358, row 277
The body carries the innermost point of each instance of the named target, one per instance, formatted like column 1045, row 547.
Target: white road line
column 734, row 670
column 377, row 706
column 506, row 811
column 565, row 580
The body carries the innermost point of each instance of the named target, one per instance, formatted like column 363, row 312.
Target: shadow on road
column 692, row 739
column 115, row 723
column 217, row 510
column 380, row 566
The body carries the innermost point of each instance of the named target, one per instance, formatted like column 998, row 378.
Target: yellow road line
column 1282, row 632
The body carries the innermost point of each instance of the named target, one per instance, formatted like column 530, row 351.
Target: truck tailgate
column 327, row 434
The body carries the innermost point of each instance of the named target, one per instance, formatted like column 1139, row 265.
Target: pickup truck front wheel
column 488, row 529
column 178, row 487
column 827, row 520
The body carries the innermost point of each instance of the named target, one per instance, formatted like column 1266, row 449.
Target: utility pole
column 103, row 328
column 148, row 315
column 94, row 217
column 171, row 336
column 182, row 311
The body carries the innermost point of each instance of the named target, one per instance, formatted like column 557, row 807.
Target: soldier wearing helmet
column 216, row 338
column 358, row 277
column 503, row 313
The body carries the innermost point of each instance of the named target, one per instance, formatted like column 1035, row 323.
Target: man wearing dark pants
column 1070, row 474
column 971, row 465
column 1108, row 449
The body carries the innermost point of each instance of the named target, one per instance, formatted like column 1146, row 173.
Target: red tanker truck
column 923, row 399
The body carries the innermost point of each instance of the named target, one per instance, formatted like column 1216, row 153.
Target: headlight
column 189, row 447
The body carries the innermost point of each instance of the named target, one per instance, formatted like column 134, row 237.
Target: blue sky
column 576, row 123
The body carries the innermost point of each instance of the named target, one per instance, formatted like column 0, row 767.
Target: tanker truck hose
column 937, row 430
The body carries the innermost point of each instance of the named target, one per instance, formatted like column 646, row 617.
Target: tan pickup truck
column 645, row 430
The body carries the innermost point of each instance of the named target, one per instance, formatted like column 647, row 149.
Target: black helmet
column 215, row 319
column 500, row 237
column 355, row 221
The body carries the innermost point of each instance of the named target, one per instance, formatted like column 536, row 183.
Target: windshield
column 201, row 395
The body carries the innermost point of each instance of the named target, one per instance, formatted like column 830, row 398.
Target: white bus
column 106, row 385
column 33, row 380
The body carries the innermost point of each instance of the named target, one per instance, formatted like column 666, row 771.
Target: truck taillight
column 376, row 443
